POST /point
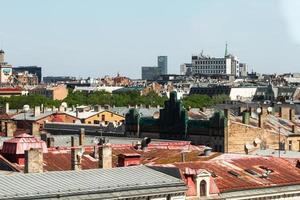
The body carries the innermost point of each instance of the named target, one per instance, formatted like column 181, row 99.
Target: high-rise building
column 162, row 63
column 30, row 69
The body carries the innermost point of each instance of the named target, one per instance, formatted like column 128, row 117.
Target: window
column 202, row 188
column 112, row 114
column 102, row 117
column 290, row 145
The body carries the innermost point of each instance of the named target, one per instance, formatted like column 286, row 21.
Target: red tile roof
column 283, row 172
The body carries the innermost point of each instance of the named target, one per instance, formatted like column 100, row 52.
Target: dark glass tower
column 162, row 63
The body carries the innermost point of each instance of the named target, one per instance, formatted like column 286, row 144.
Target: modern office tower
column 30, row 69
column 162, row 63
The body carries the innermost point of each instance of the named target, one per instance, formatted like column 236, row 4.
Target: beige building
column 5, row 69
column 58, row 92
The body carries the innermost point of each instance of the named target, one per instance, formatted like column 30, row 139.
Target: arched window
column 202, row 188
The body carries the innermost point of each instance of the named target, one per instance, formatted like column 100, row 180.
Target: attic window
column 266, row 168
column 233, row 173
column 250, row 171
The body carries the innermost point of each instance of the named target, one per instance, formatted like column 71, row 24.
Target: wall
column 108, row 117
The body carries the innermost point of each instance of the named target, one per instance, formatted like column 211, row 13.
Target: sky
column 93, row 38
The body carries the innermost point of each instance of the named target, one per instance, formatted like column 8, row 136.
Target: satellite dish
column 26, row 108
column 270, row 109
column 248, row 146
column 258, row 110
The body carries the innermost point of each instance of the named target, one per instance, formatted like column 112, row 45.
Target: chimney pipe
column 6, row 108
column 76, row 155
column 293, row 128
column 37, row 111
column 33, row 161
column 259, row 121
column 246, row 117
column 72, row 141
column 42, row 108
column 81, row 136
column 50, row 142
column 105, row 156
column 183, row 156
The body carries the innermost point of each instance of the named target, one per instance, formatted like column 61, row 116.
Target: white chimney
column 37, row 111
column 6, row 107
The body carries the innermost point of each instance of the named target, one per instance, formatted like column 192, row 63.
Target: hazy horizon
column 97, row 38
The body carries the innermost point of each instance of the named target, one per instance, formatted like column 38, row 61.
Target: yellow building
column 104, row 117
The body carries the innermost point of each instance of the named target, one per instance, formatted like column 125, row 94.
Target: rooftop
column 89, row 184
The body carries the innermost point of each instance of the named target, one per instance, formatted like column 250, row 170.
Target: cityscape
column 213, row 126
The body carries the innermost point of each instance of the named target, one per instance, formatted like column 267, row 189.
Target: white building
column 229, row 65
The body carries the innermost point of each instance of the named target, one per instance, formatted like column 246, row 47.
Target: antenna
column 226, row 49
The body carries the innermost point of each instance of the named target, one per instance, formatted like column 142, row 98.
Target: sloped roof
column 101, row 183
column 283, row 173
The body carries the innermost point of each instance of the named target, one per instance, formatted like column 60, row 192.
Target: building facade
column 201, row 64
column 150, row 73
column 35, row 70
column 5, row 69
column 162, row 63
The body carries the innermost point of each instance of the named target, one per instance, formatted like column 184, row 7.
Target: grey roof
column 145, row 112
column 30, row 116
column 116, row 183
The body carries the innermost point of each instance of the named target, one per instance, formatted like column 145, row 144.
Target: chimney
column 81, row 136
column 42, row 108
column 105, row 156
column 72, row 141
column 50, row 142
column 37, row 111
column 6, row 108
column 183, row 156
column 96, row 152
column 76, row 155
column 44, row 137
column 259, row 123
column 293, row 128
column 33, row 161
column 292, row 114
column 246, row 117
column 77, row 113
column 53, row 108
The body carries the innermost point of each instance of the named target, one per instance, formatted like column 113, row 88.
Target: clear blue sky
column 99, row 37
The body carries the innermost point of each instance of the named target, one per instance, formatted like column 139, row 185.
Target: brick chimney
column 33, row 161
column 37, row 111
column 81, row 136
column 105, row 156
column 76, row 155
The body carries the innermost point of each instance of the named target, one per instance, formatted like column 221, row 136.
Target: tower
column 226, row 50
column 162, row 63
column 2, row 56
